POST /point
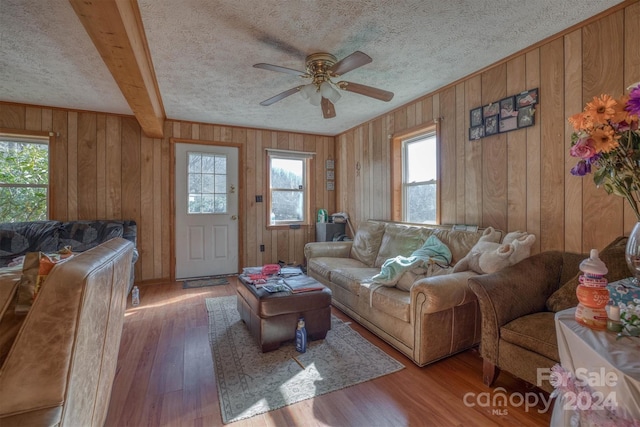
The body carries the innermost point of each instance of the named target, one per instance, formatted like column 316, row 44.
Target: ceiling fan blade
column 372, row 92
column 280, row 96
column 280, row 69
column 351, row 62
column 328, row 109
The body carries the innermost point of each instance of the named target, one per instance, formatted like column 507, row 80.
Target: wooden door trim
column 172, row 195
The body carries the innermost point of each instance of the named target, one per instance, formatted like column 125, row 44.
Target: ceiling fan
column 321, row 68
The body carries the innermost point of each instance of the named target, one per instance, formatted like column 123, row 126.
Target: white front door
column 206, row 210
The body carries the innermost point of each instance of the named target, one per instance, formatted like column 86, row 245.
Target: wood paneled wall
column 104, row 167
column 519, row 180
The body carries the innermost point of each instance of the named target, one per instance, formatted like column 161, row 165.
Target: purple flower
column 633, row 105
column 581, row 168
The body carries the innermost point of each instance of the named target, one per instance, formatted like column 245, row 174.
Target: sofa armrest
column 442, row 292
column 513, row 292
column 327, row 249
column 61, row 366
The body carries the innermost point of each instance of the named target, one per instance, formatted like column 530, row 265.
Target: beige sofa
column 61, row 364
column 426, row 319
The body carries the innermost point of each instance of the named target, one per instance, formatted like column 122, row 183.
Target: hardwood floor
column 165, row 377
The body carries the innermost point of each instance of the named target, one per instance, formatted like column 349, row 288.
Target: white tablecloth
column 598, row 355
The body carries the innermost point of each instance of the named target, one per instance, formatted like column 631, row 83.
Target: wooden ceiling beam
column 115, row 27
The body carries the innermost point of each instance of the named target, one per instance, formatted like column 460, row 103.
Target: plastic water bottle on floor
column 135, row 296
column 301, row 336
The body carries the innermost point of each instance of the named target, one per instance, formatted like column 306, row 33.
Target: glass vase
column 632, row 254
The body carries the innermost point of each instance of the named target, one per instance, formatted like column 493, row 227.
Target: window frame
column 307, row 184
column 35, row 137
column 398, row 168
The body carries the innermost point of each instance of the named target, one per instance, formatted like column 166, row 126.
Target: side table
column 605, row 373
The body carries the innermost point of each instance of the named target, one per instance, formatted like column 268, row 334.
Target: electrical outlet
column 261, row 248
column 258, row 199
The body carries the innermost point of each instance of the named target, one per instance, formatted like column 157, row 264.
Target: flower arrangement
column 606, row 139
column 630, row 318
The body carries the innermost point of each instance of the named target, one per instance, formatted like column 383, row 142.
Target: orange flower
column 620, row 114
column 580, row 121
column 601, row 109
column 604, row 139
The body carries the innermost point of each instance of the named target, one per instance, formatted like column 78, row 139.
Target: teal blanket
column 433, row 250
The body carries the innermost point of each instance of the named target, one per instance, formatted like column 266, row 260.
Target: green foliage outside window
column 24, row 180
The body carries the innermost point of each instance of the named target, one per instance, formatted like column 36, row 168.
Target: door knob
column 234, row 217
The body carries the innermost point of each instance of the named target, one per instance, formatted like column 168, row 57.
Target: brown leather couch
column 518, row 306
column 426, row 318
column 60, row 367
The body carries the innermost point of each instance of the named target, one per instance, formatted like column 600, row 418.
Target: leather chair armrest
column 513, row 292
column 327, row 249
column 443, row 292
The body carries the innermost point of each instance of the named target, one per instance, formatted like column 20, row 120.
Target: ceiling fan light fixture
column 308, row 90
column 315, row 98
column 328, row 91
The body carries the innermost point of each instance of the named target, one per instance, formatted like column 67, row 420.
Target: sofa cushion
column 458, row 242
column 84, row 235
column 366, row 242
column 399, row 239
column 535, row 332
column 391, row 301
column 324, row 266
column 18, row 238
column 351, row 278
column 612, row 256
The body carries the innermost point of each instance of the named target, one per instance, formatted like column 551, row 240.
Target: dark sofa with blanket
column 18, row 238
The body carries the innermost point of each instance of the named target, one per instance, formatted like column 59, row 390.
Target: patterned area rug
column 206, row 281
column 251, row 382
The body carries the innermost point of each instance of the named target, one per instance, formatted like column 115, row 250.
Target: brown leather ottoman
column 272, row 317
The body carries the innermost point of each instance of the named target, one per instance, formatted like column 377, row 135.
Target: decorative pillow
column 35, row 270
column 400, row 239
column 488, row 257
column 366, row 242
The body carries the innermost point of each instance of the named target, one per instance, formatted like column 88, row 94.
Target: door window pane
column 207, row 181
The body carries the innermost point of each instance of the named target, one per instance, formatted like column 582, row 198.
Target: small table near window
column 610, row 367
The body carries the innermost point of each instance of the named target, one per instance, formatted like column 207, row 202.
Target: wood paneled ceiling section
column 116, row 29
column 203, row 52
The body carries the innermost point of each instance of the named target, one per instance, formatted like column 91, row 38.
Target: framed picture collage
column 510, row 113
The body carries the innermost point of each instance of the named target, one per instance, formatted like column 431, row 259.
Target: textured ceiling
column 203, row 52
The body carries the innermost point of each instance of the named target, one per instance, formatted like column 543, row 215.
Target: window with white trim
column 288, row 179
column 419, row 179
column 24, row 178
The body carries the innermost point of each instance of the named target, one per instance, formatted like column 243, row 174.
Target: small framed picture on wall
column 491, row 125
column 508, row 108
column 526, row 117
column 476, row 132
column 508, row 124
column 526, row 98
column 475, row 118
column 491, row 110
